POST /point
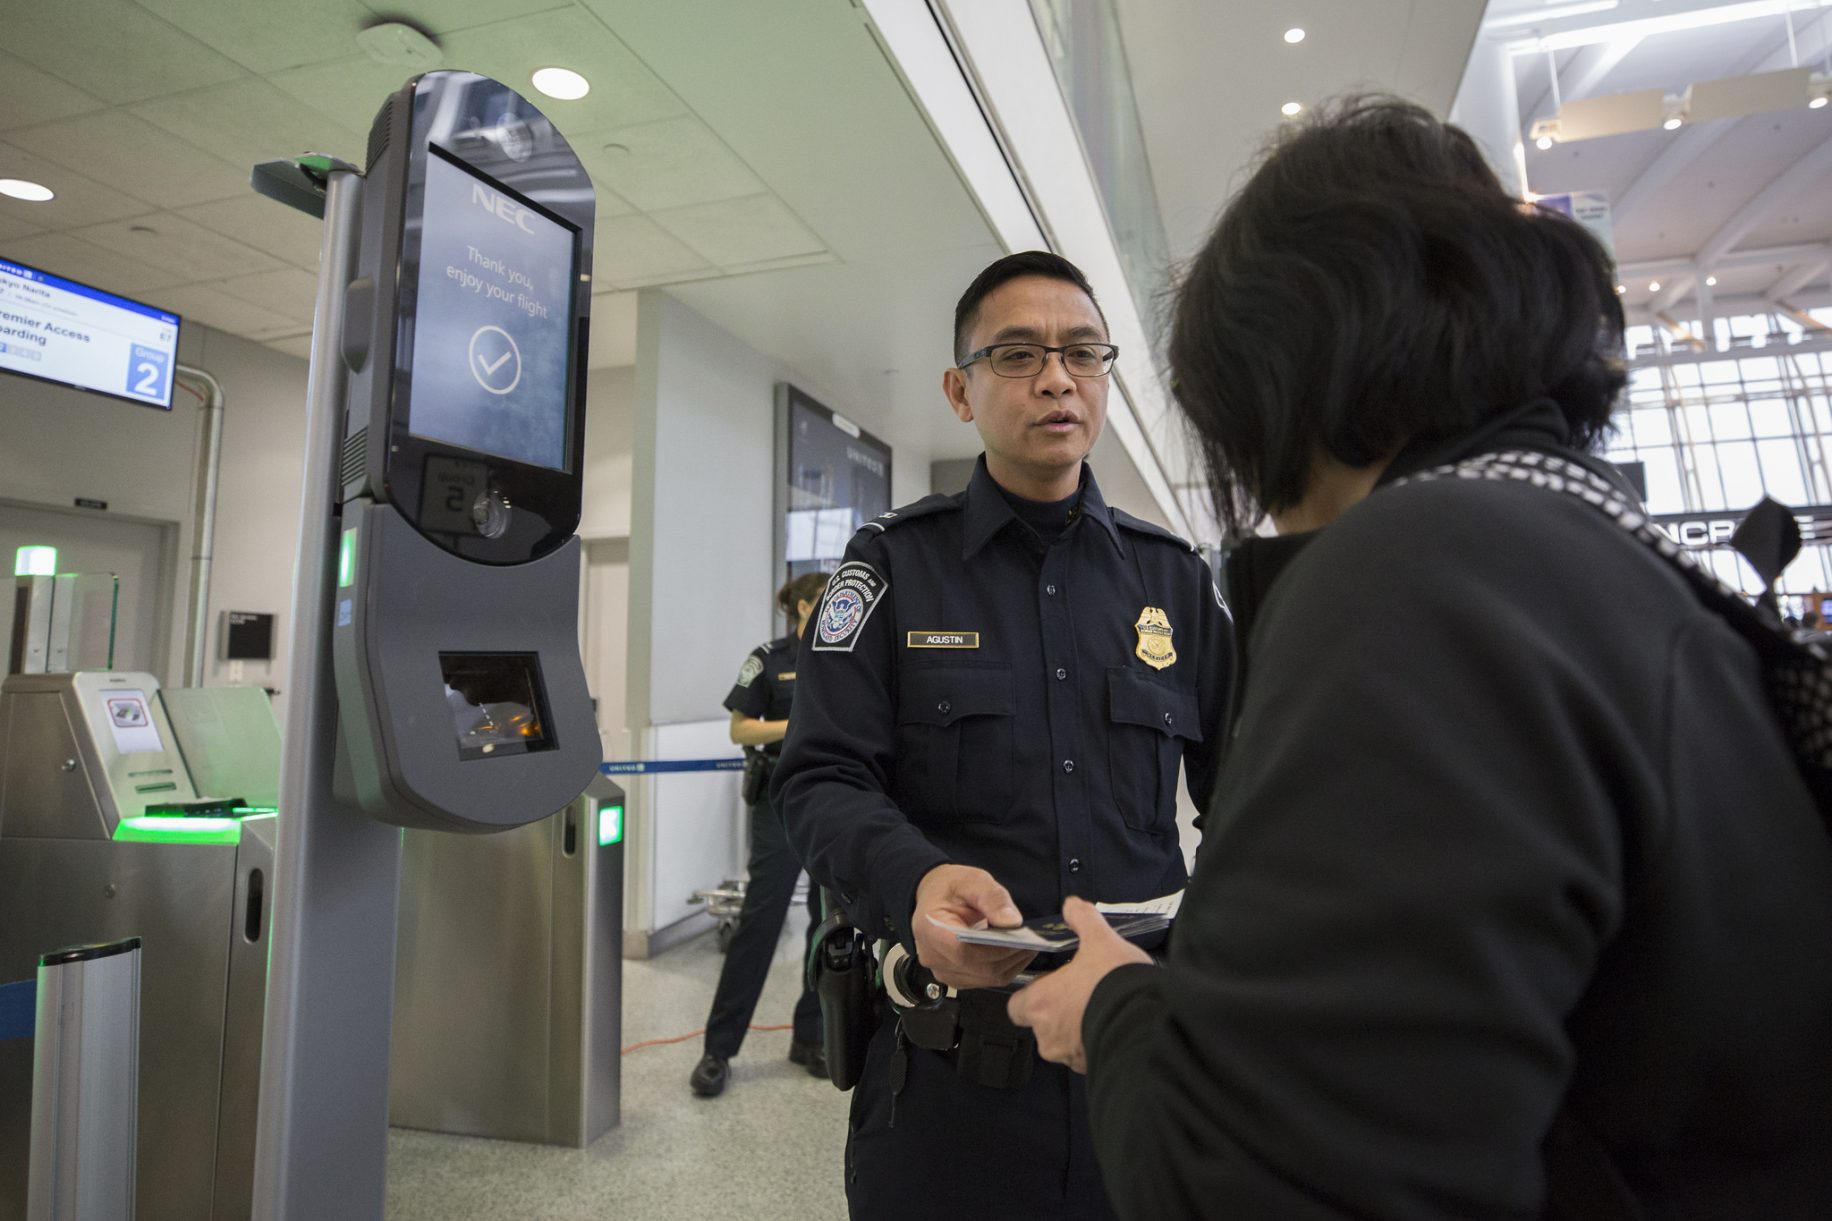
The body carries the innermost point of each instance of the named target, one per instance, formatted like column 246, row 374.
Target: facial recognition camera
column 455, row 636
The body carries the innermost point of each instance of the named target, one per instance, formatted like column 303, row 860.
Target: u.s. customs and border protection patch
column 748, row 672
column 853, row 593
column 1155, row 648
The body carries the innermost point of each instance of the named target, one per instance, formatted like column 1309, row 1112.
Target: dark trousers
column 944, row 1146
column 773, row 868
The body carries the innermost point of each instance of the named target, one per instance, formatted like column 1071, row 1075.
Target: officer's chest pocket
column 1151, row 721
column 955, row 743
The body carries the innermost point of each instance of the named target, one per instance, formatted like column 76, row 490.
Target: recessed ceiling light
column 1673, row 124
column 562, row 83
column 1621, row 290
column 1710, row 281
column 1544, row 143
column 1819, row 102
column 31, row 192
column 1653, row 286
column 1290, row 108
column 1294, row 35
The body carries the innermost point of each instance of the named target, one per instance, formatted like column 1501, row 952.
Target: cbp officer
column 995, row 695
column 759, row 702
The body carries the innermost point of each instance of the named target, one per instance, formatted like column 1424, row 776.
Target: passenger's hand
column 959, row 896
column 1054, row 1005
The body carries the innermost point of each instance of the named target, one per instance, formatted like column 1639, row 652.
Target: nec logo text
column 502, row 207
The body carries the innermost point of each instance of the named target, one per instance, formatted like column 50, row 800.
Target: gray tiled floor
column 769, row 1148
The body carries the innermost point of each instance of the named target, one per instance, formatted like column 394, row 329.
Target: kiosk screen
column 496, row 702
column 493, row 331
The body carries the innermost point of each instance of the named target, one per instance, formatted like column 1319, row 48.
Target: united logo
column 1155, row 648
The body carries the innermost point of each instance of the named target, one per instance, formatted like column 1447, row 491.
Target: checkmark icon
column 491, row 366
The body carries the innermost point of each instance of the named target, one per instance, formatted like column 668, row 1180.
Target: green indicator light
column 35, row 562
column 155, row 829
column 346, row 559
column 610, row 825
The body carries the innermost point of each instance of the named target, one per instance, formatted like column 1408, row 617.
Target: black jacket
column 1509, row 827
column 969, row 695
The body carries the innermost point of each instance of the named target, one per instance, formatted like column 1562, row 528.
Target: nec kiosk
column 462, row 698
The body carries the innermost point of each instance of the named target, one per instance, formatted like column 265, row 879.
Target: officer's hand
column 959, row 896
column 1054, row 1005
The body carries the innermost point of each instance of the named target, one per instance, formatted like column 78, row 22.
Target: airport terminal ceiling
column 778, row 177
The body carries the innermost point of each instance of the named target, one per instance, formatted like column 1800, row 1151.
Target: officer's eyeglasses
column 1027, row 359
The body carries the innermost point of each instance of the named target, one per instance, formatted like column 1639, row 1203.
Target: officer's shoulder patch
column 853, row 593
column 1127, row 520
column 927, row 506
column 748, row 672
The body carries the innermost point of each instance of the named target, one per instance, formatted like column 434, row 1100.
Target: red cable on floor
column 693, row 1034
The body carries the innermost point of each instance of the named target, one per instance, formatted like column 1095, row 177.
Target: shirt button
column 1050, row 590
column 1068, row 765
column 1061, row 673
column 1074, row 864
column 944, row 707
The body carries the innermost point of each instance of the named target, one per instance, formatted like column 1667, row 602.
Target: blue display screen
column 62, row 331
column 492, row 332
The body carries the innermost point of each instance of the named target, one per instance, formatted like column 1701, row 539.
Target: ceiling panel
column 79, row 201
column 11, row 228
column 266, row 37
column 624, row 91
column 1209, row 80
column 181, row 246
column 28, row 94
column 251, row 121
column 213, row 307
column 299, row 345
column 667, row 164
column 444, row 16
column 74, row 259
column 113, row 49
column 1611, row 164
column 349, row 90
column 287, row 291
column 631, row 250
column 734, row 231
column 257, row 221
column 166, row 170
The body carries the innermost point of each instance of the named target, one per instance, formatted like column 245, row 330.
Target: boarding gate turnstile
column 87, row 762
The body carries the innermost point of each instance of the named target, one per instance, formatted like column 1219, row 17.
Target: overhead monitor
column 57, row 330
column 832, row 478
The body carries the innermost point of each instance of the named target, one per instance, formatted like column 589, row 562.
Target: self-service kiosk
column 128, row 811
column 436, row 678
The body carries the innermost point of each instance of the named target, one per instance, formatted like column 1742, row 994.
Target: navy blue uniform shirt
column 765, row 686
column 971, row 695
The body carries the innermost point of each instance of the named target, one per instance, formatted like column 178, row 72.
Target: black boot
column 813, row 1055
column 709, row 1076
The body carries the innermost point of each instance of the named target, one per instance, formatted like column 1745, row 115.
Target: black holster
column 757, row 769
column 841, row 972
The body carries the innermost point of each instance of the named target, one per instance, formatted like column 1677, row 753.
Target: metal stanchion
column 85, row 1084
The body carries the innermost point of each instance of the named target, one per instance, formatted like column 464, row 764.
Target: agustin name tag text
column 944, row 640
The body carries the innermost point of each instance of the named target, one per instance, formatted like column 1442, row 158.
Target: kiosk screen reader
column 461, row 695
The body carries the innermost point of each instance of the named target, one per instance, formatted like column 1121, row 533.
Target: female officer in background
column 759, row 704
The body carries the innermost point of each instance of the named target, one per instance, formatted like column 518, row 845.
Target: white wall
column 701, row 579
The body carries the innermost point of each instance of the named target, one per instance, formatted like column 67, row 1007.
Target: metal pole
column 85, row 1084
column 203, row 534
column 321, row 1139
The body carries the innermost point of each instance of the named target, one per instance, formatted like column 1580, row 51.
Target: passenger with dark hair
column 996, row 697
column 1514, row 900
column 759, row 703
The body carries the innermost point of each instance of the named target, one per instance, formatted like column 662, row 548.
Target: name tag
column 788, row 676
column 944, row 640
